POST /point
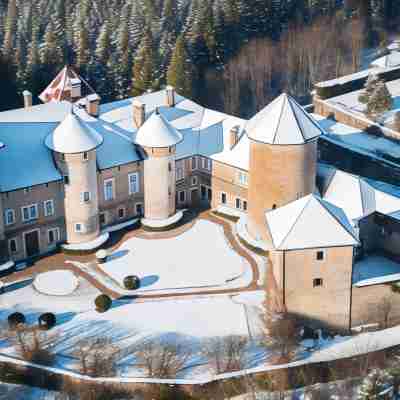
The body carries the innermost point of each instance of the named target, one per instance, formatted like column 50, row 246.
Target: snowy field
column 199, row 258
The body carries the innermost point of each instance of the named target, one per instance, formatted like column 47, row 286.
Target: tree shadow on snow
column 18, row 285
column 117, row 254
column 149, row 280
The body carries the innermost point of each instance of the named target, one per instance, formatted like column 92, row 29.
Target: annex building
column 73, row 169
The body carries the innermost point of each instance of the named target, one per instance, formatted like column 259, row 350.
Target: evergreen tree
column 10, row 27
column 144, row 67
column 179, row 73
column 369, row 88
column 380, row 101
column 375, row 384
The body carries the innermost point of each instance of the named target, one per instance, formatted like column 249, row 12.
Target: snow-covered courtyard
column 201, row 257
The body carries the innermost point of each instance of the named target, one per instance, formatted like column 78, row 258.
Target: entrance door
column 194, row 197
column 32, row 244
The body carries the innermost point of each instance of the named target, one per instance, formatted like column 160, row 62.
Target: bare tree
column 226, row 354
column 33, row 344
column 162, row 359
column 385, row 307
column 97, row 357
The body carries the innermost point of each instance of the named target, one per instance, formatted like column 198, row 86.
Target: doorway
column 32, row 243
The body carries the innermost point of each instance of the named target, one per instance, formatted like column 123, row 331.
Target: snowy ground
column 179, row 262
column 56, row 283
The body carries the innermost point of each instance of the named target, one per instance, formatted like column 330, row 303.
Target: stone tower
column 74, row 145
column 283, row 160
column 158, row 139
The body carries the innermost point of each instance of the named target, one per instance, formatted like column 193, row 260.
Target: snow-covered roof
column 359, row 197
column 283, row 122
column 157, row 132
column 375, row 269
column 73, row 136
column 388, row 61
column 297, row 225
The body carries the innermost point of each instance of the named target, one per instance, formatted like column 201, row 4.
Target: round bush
column 47, row 320
column 131, row 282
column 103, row 303
column 16, row 319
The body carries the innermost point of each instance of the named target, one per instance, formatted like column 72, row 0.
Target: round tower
column 283, row 160
column 158, row 139
column 74, row 145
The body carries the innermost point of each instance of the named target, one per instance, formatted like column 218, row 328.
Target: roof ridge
column 279, row 120
column 297, row 218
column 321, row 201
column 297, row 120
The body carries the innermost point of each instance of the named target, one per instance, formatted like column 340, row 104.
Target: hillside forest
column 233, row 55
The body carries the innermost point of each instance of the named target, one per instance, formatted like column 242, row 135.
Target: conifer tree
column 380, row 101
column 10, row 27
column 179, row 73
column 368, row 89
column 144, row 68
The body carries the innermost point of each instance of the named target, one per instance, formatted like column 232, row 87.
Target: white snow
column 56, row 283
column 73, row 135
column 162, row 223
column 283, row 122
column 295, row 226
column 232, row 212
column 91, row 245
column 390, row 60
column 375, row 269
column 157, row 132
column 7, row 265
column 175, row 263
column 123, row 225
column 242, row 232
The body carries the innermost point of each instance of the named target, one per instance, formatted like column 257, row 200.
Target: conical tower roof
column 157, row 132
column 73, row 136
column 283, row 122
column 309, row 222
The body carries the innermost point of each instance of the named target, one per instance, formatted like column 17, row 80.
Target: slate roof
column 309, row 222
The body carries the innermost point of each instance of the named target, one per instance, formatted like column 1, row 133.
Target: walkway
column 86, row 267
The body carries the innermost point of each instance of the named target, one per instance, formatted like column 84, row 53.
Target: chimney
column 139, row 113
column 233, row 136
column 76, row 88
column 170, row 96
column 27, row 98
column 93, row 105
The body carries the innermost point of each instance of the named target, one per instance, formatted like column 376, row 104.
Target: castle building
column 73, row 169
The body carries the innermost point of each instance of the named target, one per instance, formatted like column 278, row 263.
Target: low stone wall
column 370, row 304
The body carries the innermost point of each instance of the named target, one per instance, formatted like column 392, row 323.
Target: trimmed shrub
column 47, row 320
column 131, row 282
column 16, row 319
column 103, row 303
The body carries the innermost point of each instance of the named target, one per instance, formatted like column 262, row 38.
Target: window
column 194, row 163
column 208, row 164
column 203, row 162
column 53, row 235
column 85, row 156
column 79, row 227
column 169, row 191
column 179, row 172
column 9, row 216
column 223, row 198
column 182, row 196
column 238, row 203
column 320, row 255
column 109, row 189
column 274, row 206
column 139, row 209
column 85, row 196
column 66, row 179
column 121, row 213
column 194, row 181
column 62, row 157
column 48, row 208
column 12, row 245
column 134, row 183
column 318, row 282
column 243, row 178
column 102, row 218
column 169, row 167
column 244, row 205
column 30, row 212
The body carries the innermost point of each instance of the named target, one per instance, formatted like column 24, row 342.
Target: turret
column 74, row 145
column 283, row 160
column 158, row 139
